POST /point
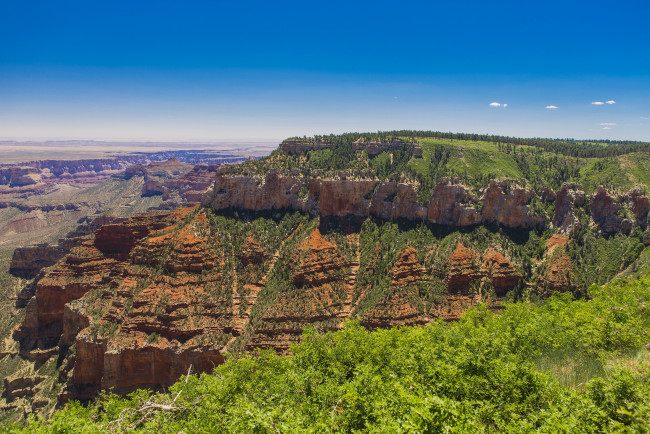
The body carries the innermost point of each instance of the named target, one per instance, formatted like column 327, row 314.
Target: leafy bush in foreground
column 564, row 366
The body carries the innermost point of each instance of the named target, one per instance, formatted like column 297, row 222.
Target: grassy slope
column 472, row 162
column 473, row 157
column 485, row 159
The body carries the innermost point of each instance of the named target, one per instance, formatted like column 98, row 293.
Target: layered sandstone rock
column 84, row 269
column 499, row 271
column 621, row 213
column 640, row 204
column 122, row 237
column 148, row 297
column 558, row 273
column 26, row 262
column 568, row 198
column 19, row 176
column 243, row 192
column 402, row 304
column 508, row 206
column 604, row 211
column 450, row 204
column 463, row 270
column 341, row 198
column 502, row 203
column 156, row 174
column 252, row 252
column 319, row 295
column 158, row 299
column 191, row 186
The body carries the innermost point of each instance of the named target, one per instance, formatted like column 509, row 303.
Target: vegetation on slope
column 470, row 159
column 564, row 366
column 568, row 147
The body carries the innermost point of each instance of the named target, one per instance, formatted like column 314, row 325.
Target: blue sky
column 267, row 70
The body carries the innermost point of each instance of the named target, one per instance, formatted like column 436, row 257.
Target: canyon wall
column 503, row 203
column 149, row 297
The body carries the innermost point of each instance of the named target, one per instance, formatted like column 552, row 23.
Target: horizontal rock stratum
column 502, row 202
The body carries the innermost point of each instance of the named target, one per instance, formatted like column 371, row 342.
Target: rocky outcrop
column 466, row 269
column 604, row 212
column 500, row 272
column 274, row 192
column 557, row 273
column 252, row 252
column 151, row 366
column 319, row 295
column 463, row 270
column 450, row 204
column 148, row 297
column 567, row 199
column 156, row 174
column 402, row 304
column 133, row 328
column 620, row 213
column 320, row 258
column 640, row 205
column 26, row 262
column 121, row 238
column 453, row 205
column 191, row 186
column 342, row 198
column 502, row 203
column 19, row 176
column 84, row 269
column 508, row 206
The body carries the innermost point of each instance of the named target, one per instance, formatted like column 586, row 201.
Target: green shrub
column 561, row 366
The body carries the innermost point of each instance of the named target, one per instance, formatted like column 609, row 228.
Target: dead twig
column 146, row 409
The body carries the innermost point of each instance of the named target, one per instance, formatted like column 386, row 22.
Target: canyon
column 144, row 299
column 41, row 200
column 186, row 263
column 149, row 297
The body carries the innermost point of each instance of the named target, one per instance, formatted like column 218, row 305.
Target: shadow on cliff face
column 351, row 224
column 517, row 236
column 249, row 216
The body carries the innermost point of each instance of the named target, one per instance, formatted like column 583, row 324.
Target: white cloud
column 551, row 106
column 645, row 118
column 607, row 128
column 598, row 103
column 495, row 104
column 505, row 105
column 611, row 101
column 608, row 123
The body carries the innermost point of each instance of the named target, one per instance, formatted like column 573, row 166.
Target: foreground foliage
column 564, row 366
